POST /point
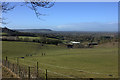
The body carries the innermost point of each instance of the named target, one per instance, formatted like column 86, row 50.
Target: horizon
column 58, row 30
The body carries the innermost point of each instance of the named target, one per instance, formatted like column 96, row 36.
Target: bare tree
column 6, row 7
column 35, row 5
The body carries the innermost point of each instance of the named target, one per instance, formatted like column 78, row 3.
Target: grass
column 30, row 38
column 98, row 62
column 40, row 38
column 4, row 34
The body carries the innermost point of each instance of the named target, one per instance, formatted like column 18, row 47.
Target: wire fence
column 25, row 71
column 34, row 72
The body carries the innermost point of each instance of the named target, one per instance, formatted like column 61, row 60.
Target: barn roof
column 73, row 42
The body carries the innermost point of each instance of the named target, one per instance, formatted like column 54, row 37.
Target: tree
column 35, row 5
column 6, row 7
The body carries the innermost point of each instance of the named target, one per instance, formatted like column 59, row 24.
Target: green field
column 38, row 38
column 4, row 34
column 30, row 38
column 98, row 62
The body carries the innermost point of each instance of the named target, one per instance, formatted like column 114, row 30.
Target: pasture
column 4, row 34
column 29, row 37
column 98, row 62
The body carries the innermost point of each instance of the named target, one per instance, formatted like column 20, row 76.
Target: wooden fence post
column 6, row 58
column 13, row 67
column 19, row 71
column 29, row 72
column 6, row 61
column 23, row 73
column 8, row 64
column 46, row 74
column 37, row 70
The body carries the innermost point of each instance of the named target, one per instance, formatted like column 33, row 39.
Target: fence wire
column 24, row 71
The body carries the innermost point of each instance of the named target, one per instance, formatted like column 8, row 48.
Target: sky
column 66, row 16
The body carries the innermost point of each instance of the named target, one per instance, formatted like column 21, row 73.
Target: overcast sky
column 67, row 16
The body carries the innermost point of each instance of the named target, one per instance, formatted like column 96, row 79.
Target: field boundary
column 22, row 71
column 72, row 69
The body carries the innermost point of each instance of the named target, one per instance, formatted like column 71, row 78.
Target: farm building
column 73, row 44
column 92, row 44
column 69, row 46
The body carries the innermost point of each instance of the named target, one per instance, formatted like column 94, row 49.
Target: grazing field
column 29, row 37
column 98, row 62
column 4, row 34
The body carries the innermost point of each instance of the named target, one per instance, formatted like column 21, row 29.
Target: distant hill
column 34, row 30
column 10, row 32
column 6, row 30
